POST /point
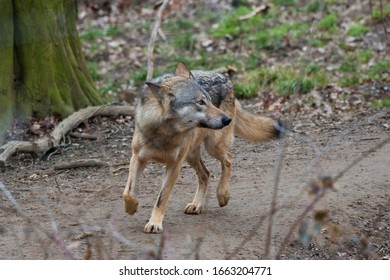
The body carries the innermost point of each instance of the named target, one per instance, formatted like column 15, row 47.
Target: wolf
column 176, row 114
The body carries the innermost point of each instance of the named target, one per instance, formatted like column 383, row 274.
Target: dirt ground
column 82, row 207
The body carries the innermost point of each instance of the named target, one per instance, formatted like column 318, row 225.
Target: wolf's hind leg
column 218, row 145
column 223, row 189
column 195, row 161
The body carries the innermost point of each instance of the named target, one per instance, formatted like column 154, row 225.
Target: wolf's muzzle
column 226, row 120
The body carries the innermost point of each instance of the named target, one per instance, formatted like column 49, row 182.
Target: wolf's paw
column 153, row 228
column 130, row 203
column 193, row 208
column 223, row 198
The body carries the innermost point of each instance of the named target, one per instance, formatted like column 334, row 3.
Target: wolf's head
column 187, row 104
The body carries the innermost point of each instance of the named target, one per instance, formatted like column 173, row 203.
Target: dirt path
column 84, row 204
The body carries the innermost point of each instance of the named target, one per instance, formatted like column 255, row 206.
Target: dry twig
column 156, row 28
column 327, row 184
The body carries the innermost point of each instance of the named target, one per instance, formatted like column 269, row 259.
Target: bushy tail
column 256, row 128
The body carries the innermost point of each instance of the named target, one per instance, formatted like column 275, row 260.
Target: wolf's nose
column 226, row 121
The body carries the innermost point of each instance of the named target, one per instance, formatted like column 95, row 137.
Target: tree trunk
column 7, row 97
column 42, row 69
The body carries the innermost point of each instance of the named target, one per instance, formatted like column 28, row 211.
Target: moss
column 54, row 73
column 6, row 69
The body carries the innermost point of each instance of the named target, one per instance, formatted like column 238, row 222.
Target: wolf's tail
column 256, row 128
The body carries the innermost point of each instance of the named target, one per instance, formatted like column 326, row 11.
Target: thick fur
column 175, row 114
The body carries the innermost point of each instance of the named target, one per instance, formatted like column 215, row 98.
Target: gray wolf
column 175, row 114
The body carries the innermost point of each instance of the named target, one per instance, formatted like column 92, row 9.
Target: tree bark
column 7, row 98
column 45, row 71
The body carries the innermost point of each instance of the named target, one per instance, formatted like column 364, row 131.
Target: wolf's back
column 248, row 126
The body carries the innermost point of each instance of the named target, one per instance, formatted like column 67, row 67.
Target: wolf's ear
column 182, row 71
column 155, row 88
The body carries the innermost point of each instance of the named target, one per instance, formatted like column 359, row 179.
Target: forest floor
column 83, row 206
column 342, row 115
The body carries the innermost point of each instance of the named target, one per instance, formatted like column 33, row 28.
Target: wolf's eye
column 201, row 102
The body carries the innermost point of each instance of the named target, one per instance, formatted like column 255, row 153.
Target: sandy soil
column 83, row 205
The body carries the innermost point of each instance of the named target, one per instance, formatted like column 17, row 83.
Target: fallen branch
column 83, row 135
column 54, row 139
column 254, row 12
column 81, row 163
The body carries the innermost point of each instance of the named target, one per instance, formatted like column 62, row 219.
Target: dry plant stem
column 323, row 191
column 53, row 236
column 360, row 158
column 282, row 152
column 298, row 222
column 248, row 236
column 283, row 149
column 153, row 36
column 329, row 146
column 311, row 205
column 54, row 139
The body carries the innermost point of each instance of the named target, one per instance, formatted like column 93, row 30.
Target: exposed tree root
column 54, row 139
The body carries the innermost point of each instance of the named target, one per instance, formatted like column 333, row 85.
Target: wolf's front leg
column 135, row 170
column 171, row 174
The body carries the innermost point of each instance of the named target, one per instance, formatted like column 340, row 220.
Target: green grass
column 348, row 81
column 357, row 30
column 139, row 76
column 184, row 41
column 379, row 14
column 313, row 6
column 317, row 43
column 348, row 66
column 380, row 70
column 328, row 23
column 254, row 44
column 380, row 104
column 230, row 24
column 364, row 56
column 246, row 89
column 109, row 87
column 284, row 2
column 281, row 80
column 92, row 33
column 272, row 37
column 180, row 32
column 94, row 71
